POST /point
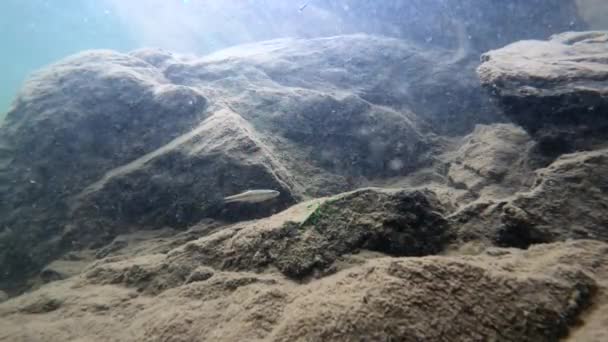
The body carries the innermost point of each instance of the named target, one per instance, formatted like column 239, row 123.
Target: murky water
column 213, row 170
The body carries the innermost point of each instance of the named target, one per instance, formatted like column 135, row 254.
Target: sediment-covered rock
column 315, row 234
column 104, row 143
column 492, row 161
column 502, row 294
column 435, row 299
column 568, row 201
column 556, row 89
column 72, row 122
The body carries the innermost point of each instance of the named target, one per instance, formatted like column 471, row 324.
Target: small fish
column 252, row 196
column 303, row 7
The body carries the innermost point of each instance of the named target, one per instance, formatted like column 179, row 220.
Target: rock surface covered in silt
column 103, row 143
column 556, row 89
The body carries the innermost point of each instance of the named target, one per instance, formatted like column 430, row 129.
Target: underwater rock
column 90, row 112
column 149, row 274
column 386, row 72
column 463, row 299
column 3, row 296
column 183, row 182
column 491, row 162
column 110, row 248
column 40, row 305
column 537, row 294
column 61, row 269
column 200, row 274
column 102, row 142
column 72, row 122
column 555, row 89
column 398, row 223
column 569, row 200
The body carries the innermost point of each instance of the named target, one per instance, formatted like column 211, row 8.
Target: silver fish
column 252, row 196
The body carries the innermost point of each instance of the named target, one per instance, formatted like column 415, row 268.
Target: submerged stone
column 556, row 89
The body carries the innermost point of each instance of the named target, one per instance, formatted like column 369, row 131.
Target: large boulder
column 556, row 89
column 71, row 123
column 92, row 112
column 436, row 83
column 104, row 143
column 181, row 183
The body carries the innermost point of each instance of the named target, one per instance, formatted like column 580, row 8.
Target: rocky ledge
column 555, row 89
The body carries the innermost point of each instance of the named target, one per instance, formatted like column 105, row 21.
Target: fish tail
column 230, row 199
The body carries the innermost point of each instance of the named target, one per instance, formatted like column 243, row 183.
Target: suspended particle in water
column 396, row 164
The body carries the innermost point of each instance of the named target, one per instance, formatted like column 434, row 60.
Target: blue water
column 38, row 32
column 34, row 33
